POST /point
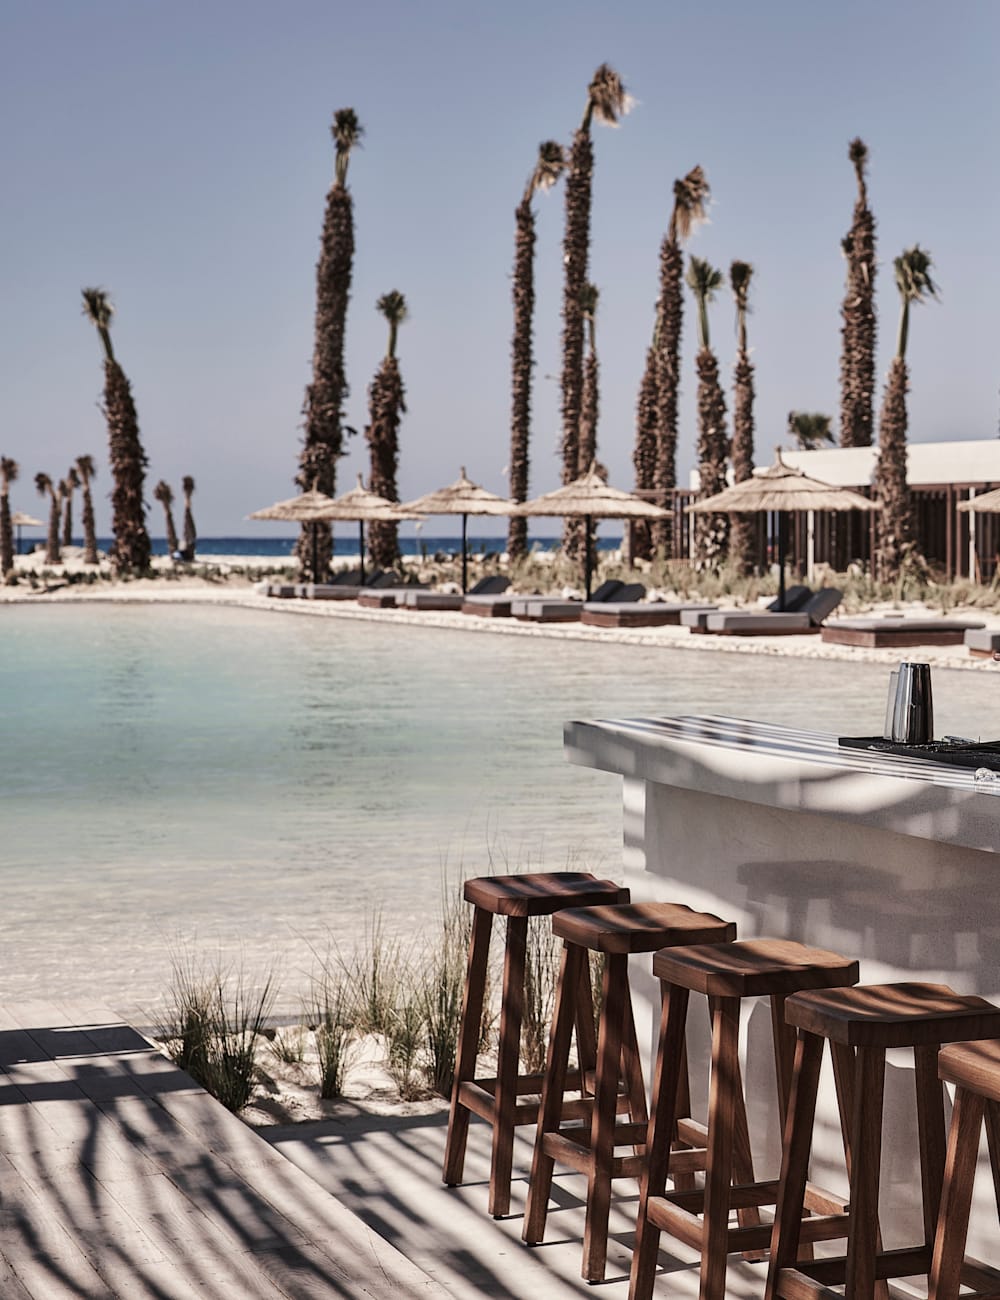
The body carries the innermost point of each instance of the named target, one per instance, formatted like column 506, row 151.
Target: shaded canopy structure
column 307, row 508
column 20, row 520
column 782, row 489
column 592, row 498
column 987, row 504
column 313, row 507
column 463, row 497
column 361, row 506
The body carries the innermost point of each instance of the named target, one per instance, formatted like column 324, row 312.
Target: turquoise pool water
column 251, row 784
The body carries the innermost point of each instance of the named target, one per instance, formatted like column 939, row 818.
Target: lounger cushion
column 741, row 623
column 546, row 609
column 984, row 639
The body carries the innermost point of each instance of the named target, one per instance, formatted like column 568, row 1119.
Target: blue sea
column 346, row 543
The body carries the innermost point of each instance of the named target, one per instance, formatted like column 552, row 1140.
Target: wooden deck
column 120, row 1177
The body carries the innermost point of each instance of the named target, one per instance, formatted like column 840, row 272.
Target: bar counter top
column 796, row 770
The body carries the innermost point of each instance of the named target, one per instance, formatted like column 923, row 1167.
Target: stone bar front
column 888, row 859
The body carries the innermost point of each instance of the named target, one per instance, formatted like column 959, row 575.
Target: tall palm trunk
column 743, row 531
column 326, row 395
column 711, row 531
column 858, row 334
column 551, row 163
column 8, row 473
column 896, row 549
column 386, row 404
column 190, row 532
column 607, row 100
column 640, row 545
column 69, row 485
column 655, row 456
column 85, row 468
column 164, row 494
column 131, row 550
column 45, row 487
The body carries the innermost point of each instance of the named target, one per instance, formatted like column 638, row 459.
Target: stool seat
column 754, row 968
column 640, row 927
column 893, row 1015
column 975, row 1066
column 541, row 893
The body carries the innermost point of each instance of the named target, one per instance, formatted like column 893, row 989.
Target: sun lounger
column 808, row 619
column 638, row 613
column 892, row 631
column 388, row 597
column 350, row 591
column 487, row 606
column 982, row 642
column 549, row 609
column 494, row 585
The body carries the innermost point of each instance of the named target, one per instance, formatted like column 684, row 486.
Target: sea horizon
column 345, row 545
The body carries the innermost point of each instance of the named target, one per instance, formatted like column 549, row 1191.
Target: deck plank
column 121, row 1177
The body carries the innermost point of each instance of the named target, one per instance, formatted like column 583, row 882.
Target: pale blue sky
column 178, row 154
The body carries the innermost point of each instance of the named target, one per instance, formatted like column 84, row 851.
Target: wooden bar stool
column 497, row 1099
column 772, row 968
column 974, row 1069
column 616, row 932
column 861, row 1024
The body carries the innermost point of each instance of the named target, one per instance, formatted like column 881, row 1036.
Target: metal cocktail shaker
column 913, row 711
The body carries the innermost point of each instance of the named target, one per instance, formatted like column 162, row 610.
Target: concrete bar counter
column 892, row 860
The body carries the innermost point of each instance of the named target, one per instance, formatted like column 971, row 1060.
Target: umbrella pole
column 361, row 549
column 315, row 552
column 587, row 560
column 465, row 556
column 781, row 559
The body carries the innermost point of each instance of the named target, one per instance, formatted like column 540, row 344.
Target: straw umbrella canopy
column 783, row 489
column 307, row 508
column 20, row 520
column 361, row 506
column 591, row 497
column 463, row 497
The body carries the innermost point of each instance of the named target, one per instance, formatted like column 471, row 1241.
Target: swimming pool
column 248, row 783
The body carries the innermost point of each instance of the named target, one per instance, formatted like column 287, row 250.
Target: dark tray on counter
column 985, row 753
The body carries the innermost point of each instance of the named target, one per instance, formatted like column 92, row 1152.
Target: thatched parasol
column 781, row 488
column 591, row 497
column 989, row 503
column 361, row 506
column 464, row 498
column 307, row 508
column 20, row 520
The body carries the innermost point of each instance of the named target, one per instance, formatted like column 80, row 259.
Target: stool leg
column 586, row 1034
column 931, row 1130
column 796, row 1145
column 602, row 1124
column 725, row 1081
column 553, row 1088
column 669, row 1060
column 843, row 1077
column 866, row 1149
column 508, row 1058
column 953, row 1220
column 993, row 1142
column 468, row 1045
column 684, row 1182
column 631, row 1061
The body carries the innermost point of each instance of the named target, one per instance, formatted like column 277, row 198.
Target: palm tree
column 8, row 473
column 711, row 531
column 810, row 429
column 386, row 403
column 742, row 525
column 45, row 487
column 69, row 485
column 607, row 101
column 896, row 546
column 326, row 395
column 164, row 493
column 589, row 413
column 655, row 455
column 190, row 532
column 85, row 468
column 549, row 167
column 857, row 361
column 130, row 551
